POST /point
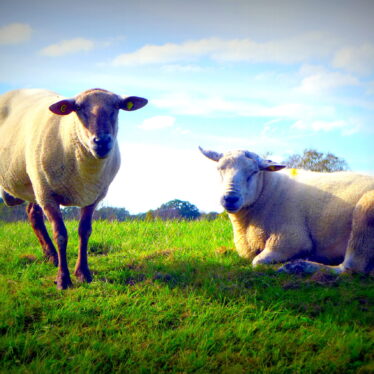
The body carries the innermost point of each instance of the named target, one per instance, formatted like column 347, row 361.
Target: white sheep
column 325, row 218
column 56, row 151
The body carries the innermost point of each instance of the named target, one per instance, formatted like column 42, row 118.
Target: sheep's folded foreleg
column 82, row 271
column 60, row 235
column 36, row 218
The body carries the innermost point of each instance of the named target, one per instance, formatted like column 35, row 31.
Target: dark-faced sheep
column 325, row 218
column 56, row 151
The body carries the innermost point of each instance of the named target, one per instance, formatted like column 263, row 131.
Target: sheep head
column 240, row 172
column 97, row 111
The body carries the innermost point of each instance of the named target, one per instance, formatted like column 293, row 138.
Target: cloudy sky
column 267, row 76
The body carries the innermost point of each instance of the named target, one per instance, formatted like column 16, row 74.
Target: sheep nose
column 102, row 145
column 229, row 199
column 102, row 140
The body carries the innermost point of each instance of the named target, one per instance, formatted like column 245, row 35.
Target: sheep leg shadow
column 36, row 218
column 82, row 271
column 307, row 267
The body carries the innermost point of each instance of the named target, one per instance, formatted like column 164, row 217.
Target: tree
column 149, row 216
column 112, row 214
column 177, row 209
column 104, row 213
column 211, row 216
column 70, row 213
column 12, row 214
column 316, row 161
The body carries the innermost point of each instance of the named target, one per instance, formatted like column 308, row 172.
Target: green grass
column 174, row 297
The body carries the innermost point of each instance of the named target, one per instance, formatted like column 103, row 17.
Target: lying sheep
column 327, row 219
column 56, row 151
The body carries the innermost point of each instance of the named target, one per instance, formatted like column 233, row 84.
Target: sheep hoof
column 52, row 259
column 83, row 275
column 63, row 282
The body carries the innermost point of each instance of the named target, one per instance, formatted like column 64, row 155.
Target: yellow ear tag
column 294, row 172
column 130, row 105
column 63, row 108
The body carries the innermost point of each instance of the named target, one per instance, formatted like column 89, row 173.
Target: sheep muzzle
column 231, row 202
column 102, row 145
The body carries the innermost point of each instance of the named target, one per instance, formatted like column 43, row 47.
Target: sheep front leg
column 60, row 235
column 82, row 271
column 282, row 247
column 270, row 256
column 36, row 218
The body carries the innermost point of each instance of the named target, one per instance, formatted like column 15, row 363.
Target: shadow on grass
column 344, row 299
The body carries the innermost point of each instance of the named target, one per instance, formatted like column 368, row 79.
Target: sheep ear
column 215, row 156
column 263, row 164
column 269, row 165
column 133, row 103
column 63, row 107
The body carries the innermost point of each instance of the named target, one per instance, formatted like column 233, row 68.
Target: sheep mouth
column 231, row 209
column 101, row 152
column 231, row 202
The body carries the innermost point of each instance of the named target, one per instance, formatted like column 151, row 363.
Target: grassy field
column 174, row 297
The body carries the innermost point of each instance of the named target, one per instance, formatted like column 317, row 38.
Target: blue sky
column 267, row 76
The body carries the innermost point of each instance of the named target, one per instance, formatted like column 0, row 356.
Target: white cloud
column 356, row 59
column 370, row 88
column 185, row 104
column 260, row 144
column 175, row 68
column 285, row 51
column 319, row 80
column 66, row 47
column 347, row 127
column 157, row 122
column 167, row 53
column 181, row 131
column 15, row 33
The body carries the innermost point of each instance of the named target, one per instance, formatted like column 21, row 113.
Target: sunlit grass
column 175, row 297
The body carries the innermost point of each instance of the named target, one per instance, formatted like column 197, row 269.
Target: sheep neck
column 88, row 166
column 249, row 223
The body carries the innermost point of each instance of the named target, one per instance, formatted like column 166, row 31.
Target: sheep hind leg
column 359, row 257
column 82, row 271
column 36, row 218
column 10, row 200
column 53, row 213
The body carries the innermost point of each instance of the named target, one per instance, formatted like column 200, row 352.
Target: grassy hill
column 174, row 297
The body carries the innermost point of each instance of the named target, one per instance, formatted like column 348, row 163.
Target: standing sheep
column 323, row 217
column 56, row 151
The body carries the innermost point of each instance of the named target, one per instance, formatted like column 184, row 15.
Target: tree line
column 174, row 209
column 310, row 159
